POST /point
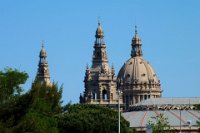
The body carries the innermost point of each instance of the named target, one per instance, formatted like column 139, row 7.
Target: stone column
column 138, row 97
column 100, row 96
column 134, row 99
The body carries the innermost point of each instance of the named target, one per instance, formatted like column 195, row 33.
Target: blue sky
column 170, row 33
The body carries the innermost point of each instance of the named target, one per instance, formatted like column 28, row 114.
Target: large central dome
column 136, row 78
column 137, row 70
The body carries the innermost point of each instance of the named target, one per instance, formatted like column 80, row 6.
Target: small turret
column 113, row 70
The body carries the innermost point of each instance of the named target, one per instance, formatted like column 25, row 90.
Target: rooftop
column 139, row 119
column 170, row 101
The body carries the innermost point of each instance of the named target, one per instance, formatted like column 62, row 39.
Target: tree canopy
column 87, row 118
column 40, row 111
column 10, row 81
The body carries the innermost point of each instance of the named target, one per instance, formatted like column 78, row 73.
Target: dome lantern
column 136, row 45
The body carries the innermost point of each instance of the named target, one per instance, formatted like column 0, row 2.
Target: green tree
column 40, row 111
column 12, row 104
column 44, row 106
column 161, row 124
column 10, row 81
column 46, row 98
column 87, row 118
column 197, row 106
column 33, row 111
column 198, row 121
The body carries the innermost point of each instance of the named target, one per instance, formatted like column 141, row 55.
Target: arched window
column 104, row 96
column 94, row 96
column 145, row 97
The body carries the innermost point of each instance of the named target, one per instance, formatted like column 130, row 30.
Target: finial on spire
column 43, row 51
column 42, row 43
column 136, row 29
column 99, row 21
column 113, row 69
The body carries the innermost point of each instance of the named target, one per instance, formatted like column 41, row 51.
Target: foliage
column 40, row 111
column 46, row 98
column 44, row 105
column 87, row 118
column 10, row 81
column 197, row 106
column 161, row 124
column 33, row 111
column 132, row 130
column 198, row 121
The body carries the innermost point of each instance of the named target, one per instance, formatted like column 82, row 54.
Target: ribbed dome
column 136, row 78
column 137, row 70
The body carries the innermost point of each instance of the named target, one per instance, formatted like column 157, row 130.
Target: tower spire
column 99, row 54
column 43, row 75
column 136, row 44
column 100, row 79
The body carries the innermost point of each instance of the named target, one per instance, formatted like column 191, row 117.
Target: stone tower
column 137, row 79
column 100, row 79
column 43, row 75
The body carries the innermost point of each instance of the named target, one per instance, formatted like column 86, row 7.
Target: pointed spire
column 113, row 70
column 43, row 51
column 136, row 45
column 98, row 21
column 43, row 75
column 99, row 54
column 87, row 72
column 99, row 31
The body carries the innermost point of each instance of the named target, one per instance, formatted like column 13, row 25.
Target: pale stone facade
column 100, row 79
column 136, row 78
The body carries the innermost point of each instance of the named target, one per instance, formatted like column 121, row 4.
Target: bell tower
column 43, row 75
column 100, row 79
